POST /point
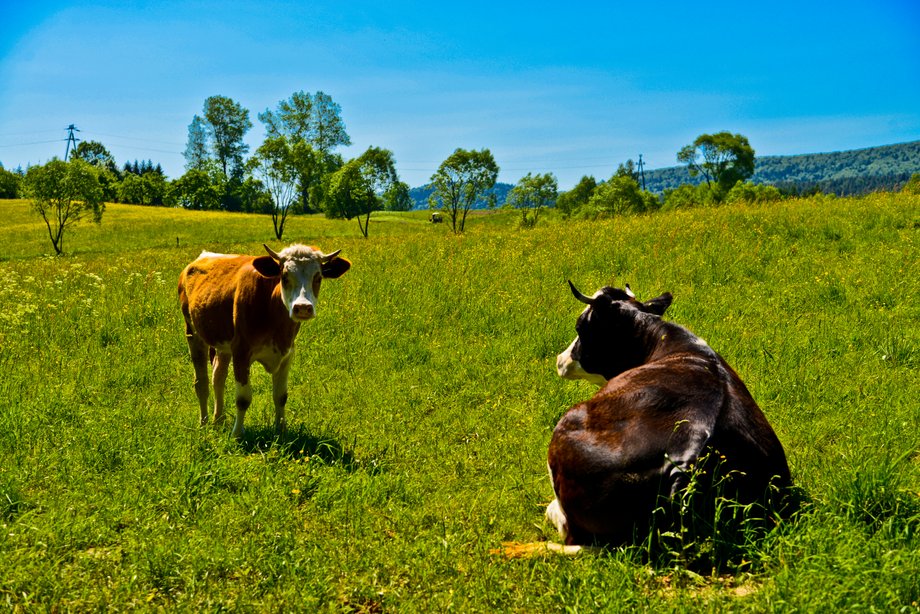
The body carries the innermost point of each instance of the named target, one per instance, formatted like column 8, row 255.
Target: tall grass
column 422, row 401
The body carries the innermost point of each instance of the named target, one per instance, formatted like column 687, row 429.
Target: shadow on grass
column 298, row 443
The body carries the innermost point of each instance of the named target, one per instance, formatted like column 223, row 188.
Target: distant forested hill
column 845, row 173
column 857, row 171
column 420, row 196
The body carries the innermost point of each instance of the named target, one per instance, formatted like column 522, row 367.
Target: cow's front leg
column 280, row 392
column 220, row 368
column 243, row 392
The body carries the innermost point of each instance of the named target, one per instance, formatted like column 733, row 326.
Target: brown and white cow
column 667, row 403
column 249, row 309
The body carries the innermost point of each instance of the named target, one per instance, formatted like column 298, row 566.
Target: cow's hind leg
column 220, row 368
column 555, row 514
column 199, row 352
column 280, row 393
column 243, row 393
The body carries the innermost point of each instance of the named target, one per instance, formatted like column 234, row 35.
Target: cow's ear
column 266, row 266
column 336, row 268
column 659, row 304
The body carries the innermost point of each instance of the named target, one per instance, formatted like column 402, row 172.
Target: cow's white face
column 302, row 269
column 300, row 282
column 568, row 366
column 610, row 334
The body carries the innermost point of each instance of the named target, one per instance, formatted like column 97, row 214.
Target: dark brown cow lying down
column 666, row 401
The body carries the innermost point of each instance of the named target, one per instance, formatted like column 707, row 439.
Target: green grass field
column 422, row 401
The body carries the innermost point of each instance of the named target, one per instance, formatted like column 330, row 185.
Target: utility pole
column 70, row 139
column 642, row 171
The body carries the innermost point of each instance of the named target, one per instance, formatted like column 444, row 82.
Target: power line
column 34, row 143
column 33, row 132
column 136, row 138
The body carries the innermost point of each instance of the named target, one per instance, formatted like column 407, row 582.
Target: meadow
column 422, row 400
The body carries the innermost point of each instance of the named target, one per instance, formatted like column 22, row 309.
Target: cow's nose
column 304, row 311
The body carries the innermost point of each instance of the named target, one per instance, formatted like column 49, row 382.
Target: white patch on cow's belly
column 269, row 357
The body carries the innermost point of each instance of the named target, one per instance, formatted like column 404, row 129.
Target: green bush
column 755, row 193
column 913, row 185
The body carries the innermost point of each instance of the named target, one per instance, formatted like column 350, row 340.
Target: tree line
column 297, row 169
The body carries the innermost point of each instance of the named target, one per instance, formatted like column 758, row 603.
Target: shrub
column 745, row 191
column 688, row 196
column 9, row 184
column 619, row 195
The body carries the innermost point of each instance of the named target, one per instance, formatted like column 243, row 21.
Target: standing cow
column 668, row 405
column 249, row 309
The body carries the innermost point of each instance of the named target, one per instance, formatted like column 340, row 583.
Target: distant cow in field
column 249, row 309
column 668, row 406
column 436, row 218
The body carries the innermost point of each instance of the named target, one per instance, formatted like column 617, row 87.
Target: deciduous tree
column 568, row 203
column 96, row 154
column 621, row 194
column 273, row 165
column 62, row 193
column 722, row 158
column 460, row 181
column 397, row 198
column 199, row 188
column 314, row 127
column 196, row 148
column 532, row 193
column 356, row 189
column 226, row 123
column 9, row 183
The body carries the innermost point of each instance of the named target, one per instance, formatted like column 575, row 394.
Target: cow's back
column 744, row 435
column 207, row 291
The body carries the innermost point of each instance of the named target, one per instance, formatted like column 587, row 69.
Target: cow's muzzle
column 303, row 311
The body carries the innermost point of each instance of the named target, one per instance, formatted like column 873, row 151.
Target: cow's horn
column 629, row 292
column 330, row 257
column 581, row 297
column 272, row 253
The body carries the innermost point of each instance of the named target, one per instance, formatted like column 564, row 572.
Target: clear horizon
column 569, row 91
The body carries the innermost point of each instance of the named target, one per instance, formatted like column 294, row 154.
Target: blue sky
column 568, row 88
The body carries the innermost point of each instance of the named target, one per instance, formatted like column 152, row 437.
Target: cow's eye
column 316, row 281
column 286, row 279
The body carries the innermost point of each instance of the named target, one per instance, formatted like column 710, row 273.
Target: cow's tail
column 518, row 550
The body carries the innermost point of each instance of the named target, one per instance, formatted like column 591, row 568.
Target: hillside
column 852, row 172
column 845, row 173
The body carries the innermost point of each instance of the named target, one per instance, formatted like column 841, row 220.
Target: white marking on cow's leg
column 243, row 392
column 554, row 512
column 556, row 517
column 199, row 353
column 280, row 392
column 243, row 400
column 219, row 376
